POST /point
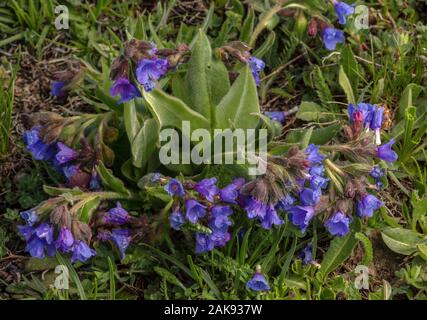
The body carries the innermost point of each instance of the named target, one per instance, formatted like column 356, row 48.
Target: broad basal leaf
column 239, row 103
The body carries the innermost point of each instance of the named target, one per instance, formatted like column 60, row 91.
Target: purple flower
column 256, row 209
column 385, row 152
column 317, row 170
column 174, row 188
column 121, row 238
column 220, row 239
column 279, row 116
column 257, row 66
column 207, row 188
column 219, row 221
column 176, row 220
column 30, row 217
column 35, row 145
column 95, row 182
column 307, row 254
column 56, row 88
column 150, row 70
column 25, row 231
column 70, row 170
column 65, row 154
column 36, row 248
column 258, row 282
column 342, row 10
column 230, row 193
column 318, row 182
column 376, row 123
column 338, row 224
column 117, row 215
column 367, row 110
column 313, row 154
column 377, row 174
column 65, row 240
column 309, row 197
column 123, row 87
column 194, row 210
column 301, row 216
column 286, row 202
column 331, row 37
column 367, row 205
column 271, row 218
column 81, row 251
column 44, row 232
column 203, row 243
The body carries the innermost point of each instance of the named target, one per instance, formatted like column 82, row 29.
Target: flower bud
column 81, row 230
column 312, row 27
column 81, row 179
column 61, row 217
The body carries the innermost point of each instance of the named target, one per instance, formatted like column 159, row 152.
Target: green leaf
column 207, row 79
column 339, row 250
column 346, row 86
column 350, row 67
column 248, row 26
column 411, row 92
column 239, row 103
column 402, row 241
column 89, row 208
column 130, row 117
column 169, row 277
column 145, row 143
column 310, row 111
column 367, row 247
column 54, row 191
column 73, row 275
column 422, row 250
column 170, row 111
column 109, row 181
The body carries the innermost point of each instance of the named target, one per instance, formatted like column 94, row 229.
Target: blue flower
column 207, row 188
column 121, row 238
column 176, row 220
column 342, row 10
column 257, row 66
column 256, row 209
column 174, row 188
column 271, row 218
column 377, row 173
column 65, row 154
column 338, row 224
column 203, row 243
column 279, row 116
column 367, row 110
column 70, row 171
column 230, row 193
column 318, row 182
column 317, row 170
column 309, row 197
column 95, row 182
column 286, row 202
column 313, row 154
column 35, row 145
column 56, row 88
column 331, row 37
column 219, row 238
column 258, row 282
column 81, row 251
column 30, row 216
column 36, row 248
column 307, row 254
column 219, row 221
column 367, row 205
column 25, row 231
column 117, row 215
column 301, row 216
column 44, row 232
column 194, row 210
column 150, row 70
column 65, row 240
column 123, row 87
column 385, row 152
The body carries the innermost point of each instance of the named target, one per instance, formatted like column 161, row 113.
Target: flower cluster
column 204, row 202
column 151, row 64
column 63, row 159
column 69, row 236
column 331, row 36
